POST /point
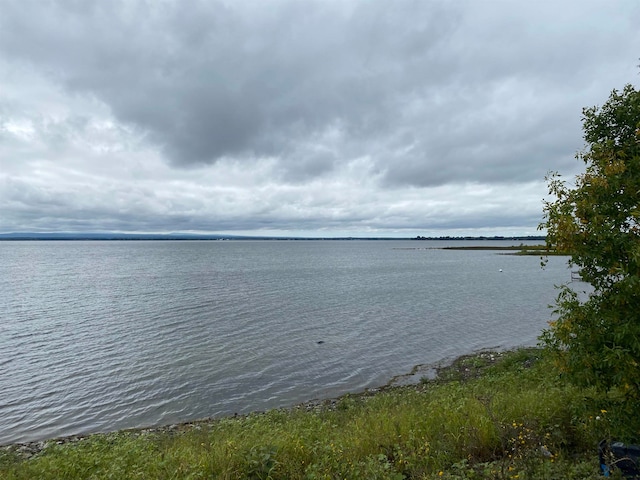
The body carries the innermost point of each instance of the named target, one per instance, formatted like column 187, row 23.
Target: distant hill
column 109, row 236
column 155, row 236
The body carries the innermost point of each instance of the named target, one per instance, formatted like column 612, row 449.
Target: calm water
column 98, row 336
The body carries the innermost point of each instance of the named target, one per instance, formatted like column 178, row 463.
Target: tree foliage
column 597, row 221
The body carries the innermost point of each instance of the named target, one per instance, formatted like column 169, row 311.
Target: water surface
column 98, row 336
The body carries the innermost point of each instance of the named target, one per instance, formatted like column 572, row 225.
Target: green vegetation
column 596, row 342
column 490, row 415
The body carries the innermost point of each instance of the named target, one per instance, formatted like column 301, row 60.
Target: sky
column 299, row 117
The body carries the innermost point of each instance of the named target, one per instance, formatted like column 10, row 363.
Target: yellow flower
column 603, row 411
column 440, row 473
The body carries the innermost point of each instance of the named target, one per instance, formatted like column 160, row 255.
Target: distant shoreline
column 496, row 247
column 541, row 250
column 49, row 236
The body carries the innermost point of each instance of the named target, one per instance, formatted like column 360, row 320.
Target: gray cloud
column 417, row 95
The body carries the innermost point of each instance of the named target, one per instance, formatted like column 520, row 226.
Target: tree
column 596, row 339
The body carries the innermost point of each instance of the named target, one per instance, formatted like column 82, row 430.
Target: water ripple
column 97, row 336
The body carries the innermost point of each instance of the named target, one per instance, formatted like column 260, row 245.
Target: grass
column 491, row 415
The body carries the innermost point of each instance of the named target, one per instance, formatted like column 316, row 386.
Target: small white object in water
column 500, row 270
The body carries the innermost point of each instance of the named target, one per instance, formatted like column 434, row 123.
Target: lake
column 103, row 335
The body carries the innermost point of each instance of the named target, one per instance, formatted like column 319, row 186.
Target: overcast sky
column 302, row 117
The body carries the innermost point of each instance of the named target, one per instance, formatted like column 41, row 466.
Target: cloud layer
column 331, row 117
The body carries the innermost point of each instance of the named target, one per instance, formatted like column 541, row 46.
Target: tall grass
column 516, row 420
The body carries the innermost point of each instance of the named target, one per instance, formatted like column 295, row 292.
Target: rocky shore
column 462, row 368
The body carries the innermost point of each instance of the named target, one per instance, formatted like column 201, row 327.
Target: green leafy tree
column 596, row 339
